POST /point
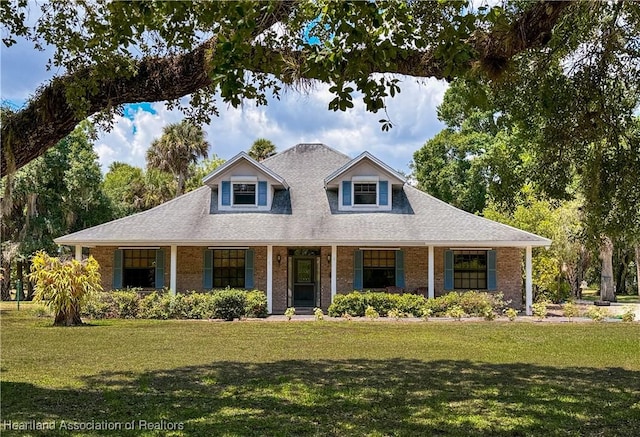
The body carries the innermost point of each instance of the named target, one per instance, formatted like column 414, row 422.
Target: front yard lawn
column 321, row 378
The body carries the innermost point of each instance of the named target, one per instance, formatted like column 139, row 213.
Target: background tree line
column 64, row 191
column 493, row 159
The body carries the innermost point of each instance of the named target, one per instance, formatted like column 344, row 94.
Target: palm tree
column 261, row 149
column 180, row 145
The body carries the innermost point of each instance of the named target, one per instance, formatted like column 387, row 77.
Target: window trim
column 152, row 269
column 351, row 184
column 244, row 205
column 243, row 180
column 392, row 251
column 486, row 269
column 365, row 180
column 364, row 205
column 243, row 267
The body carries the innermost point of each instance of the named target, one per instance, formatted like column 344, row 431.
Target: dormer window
column 244, row 194
column 365, row 193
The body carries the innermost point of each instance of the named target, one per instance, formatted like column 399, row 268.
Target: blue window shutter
column 448, row 270
column 262, row 193
column 346, row 193
column 400, row 269
column 160, row 268
column 357, row 270
column 383, row 196
column 207, row 277
column 226, row 193
column 117, row 269
column 248, row 269
column 492, row 283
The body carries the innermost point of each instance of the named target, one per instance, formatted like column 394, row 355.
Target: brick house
column 304, row 225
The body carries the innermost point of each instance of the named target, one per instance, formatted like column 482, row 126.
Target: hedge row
column 226, row 304
column 471, row 303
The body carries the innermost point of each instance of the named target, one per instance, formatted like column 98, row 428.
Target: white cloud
column 296, row 118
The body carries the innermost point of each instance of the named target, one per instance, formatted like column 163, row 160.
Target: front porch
column 310, row 276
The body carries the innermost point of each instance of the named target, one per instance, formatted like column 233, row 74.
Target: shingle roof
column 306, row 214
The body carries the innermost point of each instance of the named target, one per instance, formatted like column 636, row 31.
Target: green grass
column 592, row 294
column 324, row 378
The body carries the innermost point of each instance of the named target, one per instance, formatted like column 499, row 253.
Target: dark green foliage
column 256, row 304
column 356, row 303
column 229, row 304
column 156, row 306
column 224, row 304
column 127, row 304
column 472, row 303
column 352, row 304
column 58, row 193
column 100, row 306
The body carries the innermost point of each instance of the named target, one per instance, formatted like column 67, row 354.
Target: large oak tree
column 115, row 53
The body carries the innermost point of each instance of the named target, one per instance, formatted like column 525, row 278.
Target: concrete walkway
column 519, row 319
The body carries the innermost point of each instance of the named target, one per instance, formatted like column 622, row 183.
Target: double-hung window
column 378, row 268
column 244, row 194
column 139, row 268
column 470, row 269
column 365, row 193
column 229, row 268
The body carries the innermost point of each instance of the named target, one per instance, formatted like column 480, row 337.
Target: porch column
column 173, row 275
column 334, row 271
column 528, row 287
column 431, row 274
column 78, row 253
column 269, row 279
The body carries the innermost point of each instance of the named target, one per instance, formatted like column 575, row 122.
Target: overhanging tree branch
column 49, row 117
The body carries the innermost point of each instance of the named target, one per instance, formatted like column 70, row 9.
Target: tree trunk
column 27, row 285
column 5, row 286
column 68, row 318
column 180, row 185
column 621, row 273
column 607, row 290
column 638, row 266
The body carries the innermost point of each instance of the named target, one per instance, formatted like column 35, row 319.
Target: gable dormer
column 364, row 184
column 244, row 184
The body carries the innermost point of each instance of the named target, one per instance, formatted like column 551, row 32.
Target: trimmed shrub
column 371, row 313
column 229, row 304
column 539, row 309
column 100, row 306
column 411, row 304
column 191, row 306
column 127, row 304
column 570, row 310
column 382, row 303
column 356, row 304
column 597, row 314
column 290, row 312
column 256, row 304
column 440, row 305
column 156, row 306
column 456, row 312
column 352, row 304
column 628, row 315
column 318, row 314
column 511, row 313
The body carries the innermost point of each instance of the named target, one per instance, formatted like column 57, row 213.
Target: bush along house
column 304, row 225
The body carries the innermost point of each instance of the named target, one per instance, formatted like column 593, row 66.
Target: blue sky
column 295, row 118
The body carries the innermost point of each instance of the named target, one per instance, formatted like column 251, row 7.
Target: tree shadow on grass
column 350, row 397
